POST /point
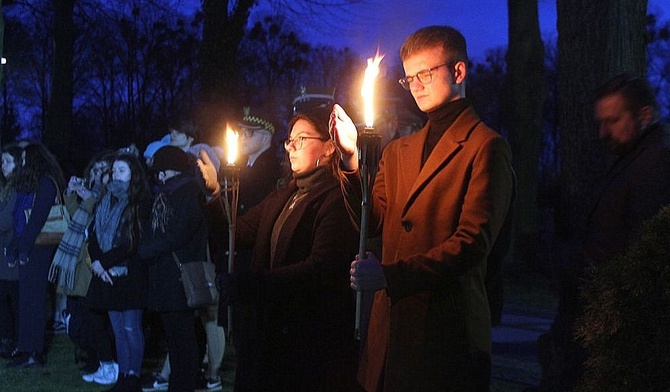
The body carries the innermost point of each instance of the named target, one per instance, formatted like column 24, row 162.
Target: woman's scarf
column 108, row 214
column 160, row 209
column 64, row 264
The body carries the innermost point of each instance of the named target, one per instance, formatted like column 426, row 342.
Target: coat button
column 407, row 226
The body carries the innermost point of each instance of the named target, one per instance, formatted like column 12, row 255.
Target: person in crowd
column 261, row 171
column 177, row 228
column 89, row 329
column 634, row 189
column 38, row 182
column 296, row 288
column 259, row 174
column 214, row 333
column 439, row 200
column 185, row 136
column 9, row 286
column 151, row 149
column 119, row 283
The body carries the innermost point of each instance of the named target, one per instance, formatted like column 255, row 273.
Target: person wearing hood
column 177, row 228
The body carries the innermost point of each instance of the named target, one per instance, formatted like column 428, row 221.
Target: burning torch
column 369, row 150
column 231, row 191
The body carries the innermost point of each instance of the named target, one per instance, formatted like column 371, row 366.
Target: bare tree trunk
column 2, row 40
column 221, row 37
column 596, row 40
column 59, row 116
column 524, row 94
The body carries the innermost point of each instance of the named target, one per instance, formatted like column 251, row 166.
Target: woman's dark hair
column 38, row 162
column 138, row 192
column 9, row 184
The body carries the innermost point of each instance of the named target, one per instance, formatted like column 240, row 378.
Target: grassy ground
column 62, row 374
column 522, row 291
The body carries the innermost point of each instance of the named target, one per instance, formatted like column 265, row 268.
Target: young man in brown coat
column 439, row 200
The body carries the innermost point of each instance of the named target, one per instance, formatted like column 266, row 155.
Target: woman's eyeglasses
column 298, row 142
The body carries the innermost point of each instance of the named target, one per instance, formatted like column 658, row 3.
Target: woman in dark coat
column 295, row 299
column 119, row 282
column 177, row 227
column 38, row 182
column 9, row 277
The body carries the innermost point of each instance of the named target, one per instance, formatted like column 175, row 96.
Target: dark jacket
column 259, row 180
column 6, row 231
column 45, row 197
column 185, row 234
column 634, row 190
column 127, row 292
column 302, row 304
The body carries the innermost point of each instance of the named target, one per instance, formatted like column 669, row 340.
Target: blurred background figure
column 184, row 135
column 70, row 270
column 177, row 228
column 38, row 182
column 119, row 283
column 9, row 285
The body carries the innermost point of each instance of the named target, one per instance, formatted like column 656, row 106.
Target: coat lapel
column 443, row 152
column 289, row 228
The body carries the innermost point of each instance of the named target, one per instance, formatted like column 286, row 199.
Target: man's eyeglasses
column 425, row 77
column 298, row 142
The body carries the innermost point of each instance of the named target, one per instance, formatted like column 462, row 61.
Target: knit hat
column 153, row 147
column 170, row 158
column 254, row 122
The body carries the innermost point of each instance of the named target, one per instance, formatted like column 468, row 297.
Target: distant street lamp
column 4, row 61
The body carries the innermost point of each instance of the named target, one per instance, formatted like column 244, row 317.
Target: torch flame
column 368, row 89
column 231, row 145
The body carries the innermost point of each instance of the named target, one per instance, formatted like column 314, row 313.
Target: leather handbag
column 56, row 224
column 198, row 280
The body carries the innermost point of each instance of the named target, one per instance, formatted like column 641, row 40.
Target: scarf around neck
column 69, row 252
column 108, row 214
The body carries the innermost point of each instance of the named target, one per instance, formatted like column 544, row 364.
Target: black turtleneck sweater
column 440, row 120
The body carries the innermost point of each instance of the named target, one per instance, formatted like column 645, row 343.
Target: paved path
column 514, row 359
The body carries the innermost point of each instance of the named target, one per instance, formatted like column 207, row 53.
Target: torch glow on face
column 368, row 89
column 231, row 145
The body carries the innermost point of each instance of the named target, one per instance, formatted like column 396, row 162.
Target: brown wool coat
column 430, row 329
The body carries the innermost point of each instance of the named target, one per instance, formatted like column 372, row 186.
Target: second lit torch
column 369, row 150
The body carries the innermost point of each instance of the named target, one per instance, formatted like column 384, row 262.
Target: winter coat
column 6, row 229
column 299, row 301
column 430, row 329
column 185, row 234
column 129, row 291
column 635, row 189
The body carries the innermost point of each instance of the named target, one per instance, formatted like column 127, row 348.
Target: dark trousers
column 183, row 349
column 33, row 286
column 98, row 334
column 9, row 309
